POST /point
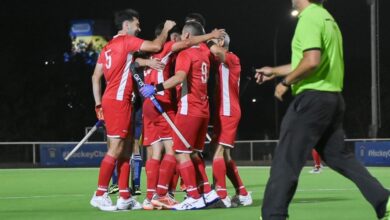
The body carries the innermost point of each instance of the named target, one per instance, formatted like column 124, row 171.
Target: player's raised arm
column 219, row 47
column 156, row 45
column 215, row 34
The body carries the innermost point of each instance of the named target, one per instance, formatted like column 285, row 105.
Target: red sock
column 175, row 179
column 219, row 172
column 316, row 158
column 200, row 169
column 106, row 168
column 187, row 172
column 232, row 173
column 123, row 177
column 167, row 169
column 152, row 168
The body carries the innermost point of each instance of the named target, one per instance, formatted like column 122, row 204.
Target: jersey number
column 204, row 72
column 107, row 54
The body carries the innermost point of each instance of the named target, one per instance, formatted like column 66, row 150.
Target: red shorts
column 156, row 128
column 117, row 117
column 194, row 131
column 225, row 130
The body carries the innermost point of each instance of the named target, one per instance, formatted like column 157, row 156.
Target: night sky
column 54, row 102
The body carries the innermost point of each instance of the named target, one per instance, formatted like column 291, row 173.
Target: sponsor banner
column 87, row 155
column 81, row 28
column 373, row 153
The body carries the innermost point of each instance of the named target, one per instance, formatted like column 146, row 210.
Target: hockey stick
column 208, row 137
column 249, row 79
column 93, row 129
column 140, row 83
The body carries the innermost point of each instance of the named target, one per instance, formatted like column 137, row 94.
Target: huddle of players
column 167, row 155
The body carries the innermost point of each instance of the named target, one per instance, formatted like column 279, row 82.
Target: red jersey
column 192, row 93
column 155, row 77
column 116, row 58
column 227, row 97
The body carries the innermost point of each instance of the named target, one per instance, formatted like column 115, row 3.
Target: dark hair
column 193, row 27
column 125, row 15
column 160, row 27
column 317, row 1
column 195, row 17
column 175, row 29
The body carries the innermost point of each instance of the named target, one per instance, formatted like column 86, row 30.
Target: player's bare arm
column 218, row 51
column 149, row 90
column 152, row 63
column 157, row 44
column 96, row 83
column 175, row 80
column 215, row 34
column 97, row 90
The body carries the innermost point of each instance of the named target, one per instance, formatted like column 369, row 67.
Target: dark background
column 54, row 102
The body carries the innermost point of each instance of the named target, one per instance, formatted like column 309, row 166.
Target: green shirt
column 316, row 29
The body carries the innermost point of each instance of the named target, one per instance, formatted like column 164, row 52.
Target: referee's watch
column 284, row 82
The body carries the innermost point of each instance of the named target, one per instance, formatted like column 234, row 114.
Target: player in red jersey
column 190, row 80
column 317, row 162
column 157, row 132
column 226, row 122
column 114, row 62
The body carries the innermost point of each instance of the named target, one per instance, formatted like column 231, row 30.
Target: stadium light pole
column 374, row 11
column 294, row 13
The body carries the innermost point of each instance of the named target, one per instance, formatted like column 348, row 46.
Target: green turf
column 65, row 194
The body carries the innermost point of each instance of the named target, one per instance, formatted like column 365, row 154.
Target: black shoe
column 136, row 191
column 113, row 189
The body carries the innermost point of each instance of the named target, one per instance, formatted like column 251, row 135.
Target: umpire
column 315, row 117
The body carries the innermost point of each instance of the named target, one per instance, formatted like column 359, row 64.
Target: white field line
column 84, row 195
column 41, row 196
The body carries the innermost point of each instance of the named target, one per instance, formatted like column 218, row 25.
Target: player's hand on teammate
column 156, row 64
column 147, row 91
column 99, row 112
column 218, row 33
column 280, row 90
column 264, row 74
column 168, row 25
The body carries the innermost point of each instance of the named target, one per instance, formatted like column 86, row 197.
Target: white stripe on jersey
column 184, row 98
column 225, row 90
column 164, row 60
column 160, row 73
column 125, row 75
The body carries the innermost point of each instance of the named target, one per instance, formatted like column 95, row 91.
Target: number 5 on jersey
column 107, row 54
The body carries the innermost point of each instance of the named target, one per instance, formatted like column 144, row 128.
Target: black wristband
column 159, row 87
column 210, row 43
column 284, row 82
column 98, row 106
